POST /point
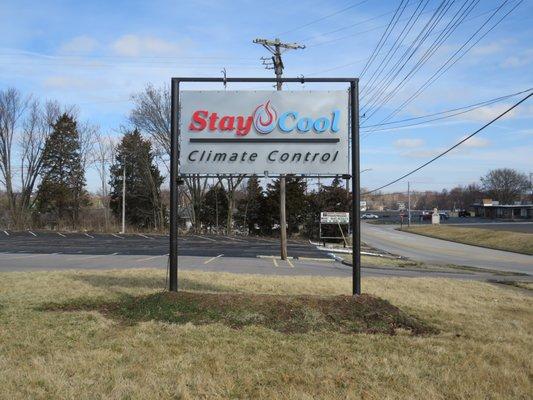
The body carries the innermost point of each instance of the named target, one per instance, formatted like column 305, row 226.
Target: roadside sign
column 334, row 217
column 264, row 132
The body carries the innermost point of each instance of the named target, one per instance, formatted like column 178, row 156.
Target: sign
column 264, row 132
column 435, row 217
column 334, row 217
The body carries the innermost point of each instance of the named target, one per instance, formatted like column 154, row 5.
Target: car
column 369, row 216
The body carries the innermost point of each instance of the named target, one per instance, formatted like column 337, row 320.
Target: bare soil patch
column 287, row 314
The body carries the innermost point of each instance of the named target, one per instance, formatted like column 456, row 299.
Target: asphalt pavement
column 38, row 251
column 436, row 251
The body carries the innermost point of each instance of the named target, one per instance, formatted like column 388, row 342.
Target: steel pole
column 174, row 123
column 124, row 195
column 356, row 189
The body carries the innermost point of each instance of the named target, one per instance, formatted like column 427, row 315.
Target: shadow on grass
column 102, row 281
column 287, row 314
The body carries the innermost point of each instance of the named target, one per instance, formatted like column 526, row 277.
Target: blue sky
column 97, row 53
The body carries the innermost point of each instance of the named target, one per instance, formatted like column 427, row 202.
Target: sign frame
column 353, row 94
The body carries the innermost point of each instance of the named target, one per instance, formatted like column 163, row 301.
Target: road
column 436, row 251
column 38, row 251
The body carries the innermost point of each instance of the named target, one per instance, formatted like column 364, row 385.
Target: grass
column 482, row 350
column 501, row 240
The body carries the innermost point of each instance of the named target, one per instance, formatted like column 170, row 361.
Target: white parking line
column 6, row 232
column 86, row 234
column 213, row 258
column 149, row 258
column 204, row 237
column 234, row 239
column 82, row 258
column 275, row 262
column 32, row 233
column 22, row 257
column 60, row 234
column 117, row 236
column 290, row 263
column 144, row 236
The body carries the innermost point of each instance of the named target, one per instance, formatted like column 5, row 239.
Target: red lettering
column 227, row 123
column 198, row 122
column 244, row 124
column 213, row 121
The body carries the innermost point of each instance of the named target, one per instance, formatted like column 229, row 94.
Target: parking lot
column 146, row 244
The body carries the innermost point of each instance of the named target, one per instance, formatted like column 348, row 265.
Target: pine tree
column 296, row 204
column 61, row 193
column 143, row 183
column 214, row 210
column 249, row 207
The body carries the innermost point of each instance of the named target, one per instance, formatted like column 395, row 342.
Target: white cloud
column 519, row 60
column 134, row 45
column 475, row 142
column 488, row 49
column 408, row 143
column 64, row 82
column 79, row 44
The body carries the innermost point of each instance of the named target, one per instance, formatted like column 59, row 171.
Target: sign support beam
column 174, row 122
column 356, row 189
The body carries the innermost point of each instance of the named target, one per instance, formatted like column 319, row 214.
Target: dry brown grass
column 483, row 350
column 501, row 240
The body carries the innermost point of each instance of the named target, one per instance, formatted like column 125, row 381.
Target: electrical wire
column 490, row 101
column 466, row 109
column 383, row 38
column 373, row 104
column 451, row 61
column 452, row 147
column 396, row 45
column 322, row 18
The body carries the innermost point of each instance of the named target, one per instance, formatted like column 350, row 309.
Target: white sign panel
column 258, row 132
column 334, row 217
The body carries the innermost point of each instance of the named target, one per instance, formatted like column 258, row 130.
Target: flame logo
column 265, row 118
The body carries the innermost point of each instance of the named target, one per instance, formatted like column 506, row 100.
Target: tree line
column 46, row 151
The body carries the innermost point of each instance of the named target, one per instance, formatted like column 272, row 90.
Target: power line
column 482, row 103
column 322, row 18
column 373, row 103
column 396, row 45
column 451, row 148
column 383, row 38
column 451, row 61
column 468, row 109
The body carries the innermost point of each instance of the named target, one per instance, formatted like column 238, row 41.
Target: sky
column 96, row 54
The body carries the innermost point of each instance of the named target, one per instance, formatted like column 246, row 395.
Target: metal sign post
column 299, row 119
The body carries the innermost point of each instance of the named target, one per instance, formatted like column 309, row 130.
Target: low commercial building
column 494, row 210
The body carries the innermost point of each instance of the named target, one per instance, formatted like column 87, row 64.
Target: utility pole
column 275, row 47
column 408, row 204
column 124, row 197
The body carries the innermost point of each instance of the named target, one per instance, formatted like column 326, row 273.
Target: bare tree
column 196, row 190
column 88, row 134
column 151, row 115
column 103, row 156
column 505, row 185
column 232, row 183
column 37, row 127
column 12, row 108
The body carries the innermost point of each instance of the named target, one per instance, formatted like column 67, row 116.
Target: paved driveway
column 436, row 251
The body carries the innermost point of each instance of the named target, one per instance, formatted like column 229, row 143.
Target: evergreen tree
column 214, row 210
column 250, row 207
column 296, row 204
column 143, row 183
column 62, row 189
